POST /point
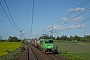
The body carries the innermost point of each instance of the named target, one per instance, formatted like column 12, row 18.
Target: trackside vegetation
column 73, row 50
column 7, row 47
column 12, row 48
column 8, row 50
column 72, row 47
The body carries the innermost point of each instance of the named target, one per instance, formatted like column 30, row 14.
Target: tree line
column 85, row 38
column 10, row 39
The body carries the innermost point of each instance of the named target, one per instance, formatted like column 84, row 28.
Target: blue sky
column 46, row 13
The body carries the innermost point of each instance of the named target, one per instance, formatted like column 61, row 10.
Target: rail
column 34, row 55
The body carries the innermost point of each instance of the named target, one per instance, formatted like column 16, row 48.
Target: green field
column 76, row 49
column 7, row 47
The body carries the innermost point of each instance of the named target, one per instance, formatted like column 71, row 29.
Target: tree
column 87, row 38
column 64, row 37
column 0, row 38
column 82, row 39
column 44, row 37
column 71, row 38
column 77, row 38
column 57, row 38
column 54, row 38
column 12, row 39
column 51, row 37
column 15, row 39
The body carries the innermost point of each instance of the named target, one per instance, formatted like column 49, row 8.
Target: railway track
column 32, row 53
column 40, row 55
column 28, row 54
column 55, row 57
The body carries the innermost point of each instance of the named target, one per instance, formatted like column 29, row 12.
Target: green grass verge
column 85, row 56
column 12, row 55
column 75, row 49
column 7, row 47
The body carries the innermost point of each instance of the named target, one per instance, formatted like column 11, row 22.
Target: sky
column 60, row 16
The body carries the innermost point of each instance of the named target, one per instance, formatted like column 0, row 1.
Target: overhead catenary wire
column 32, row 16
column 81, row 22
column 8, row 17
column 11, row 15
column 88, row 9
column 75, row 25
column 75, row 8
column 82, row 4
column 26, row 32
column 77, row 15
column 87, row 19
column 73, row 11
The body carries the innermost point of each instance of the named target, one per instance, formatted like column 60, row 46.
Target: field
column 75, row 49
column 7, row 47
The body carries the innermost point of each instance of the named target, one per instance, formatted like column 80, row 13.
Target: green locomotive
column 47, row 45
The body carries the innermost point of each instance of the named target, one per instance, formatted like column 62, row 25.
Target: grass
column 76, row 49
column 86, row 56
column 12, row 55
column 7, row 47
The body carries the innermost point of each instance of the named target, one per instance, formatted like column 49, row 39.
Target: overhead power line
column 81, row 22
column 73, row 11
column 88, row 9
column 77, row 15
column 7, row 16
column 32, row 19
column 84, row 2
column 75, row 8
column 11, row 15
column 26, row 32
column 87, row 19
column 32, row 15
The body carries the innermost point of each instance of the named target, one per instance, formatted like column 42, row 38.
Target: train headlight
column 49, row 46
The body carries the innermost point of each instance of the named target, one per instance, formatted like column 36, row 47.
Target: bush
column 8, row 47
column 78, row 58
column 69, row 56
column 23, row 48
column 8, row 51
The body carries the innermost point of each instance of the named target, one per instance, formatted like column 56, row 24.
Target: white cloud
column 61, row 28
column 64, row 19
column 35, row 35
column 79, row 26
column 77, row 19
column 87, row 34
column 55, row 27
column 76, row 26
column 77, row 9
